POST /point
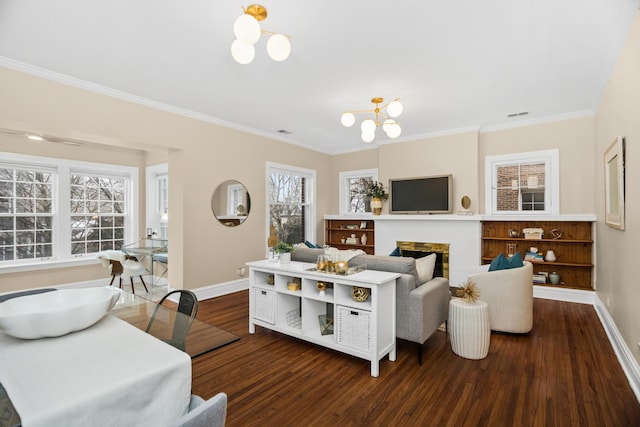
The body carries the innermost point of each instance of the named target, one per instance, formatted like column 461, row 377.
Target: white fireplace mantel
column 461, row 232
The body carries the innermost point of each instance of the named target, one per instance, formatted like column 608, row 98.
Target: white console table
column 362, row 329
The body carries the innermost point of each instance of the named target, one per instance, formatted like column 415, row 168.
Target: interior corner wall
column 617, row 282
column 201, row 155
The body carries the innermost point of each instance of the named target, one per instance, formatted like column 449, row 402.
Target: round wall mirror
column 231, row 203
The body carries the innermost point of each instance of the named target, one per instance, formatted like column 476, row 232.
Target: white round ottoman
column 469, row 328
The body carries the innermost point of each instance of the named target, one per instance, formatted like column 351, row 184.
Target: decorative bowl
column 57, row 313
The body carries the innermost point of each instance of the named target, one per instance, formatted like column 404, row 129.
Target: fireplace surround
column 422, row 249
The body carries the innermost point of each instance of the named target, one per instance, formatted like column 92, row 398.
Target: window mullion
column 62, row 214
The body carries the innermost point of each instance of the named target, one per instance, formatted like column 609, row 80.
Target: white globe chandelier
column 247, row 30
column 368, row 126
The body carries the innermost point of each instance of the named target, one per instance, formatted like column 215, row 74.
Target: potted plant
column 376, row 192
column 284, row 249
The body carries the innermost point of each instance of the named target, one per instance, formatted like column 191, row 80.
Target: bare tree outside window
column 358, row 203
column 97, row 213
column 26, row 214
column 286, row 206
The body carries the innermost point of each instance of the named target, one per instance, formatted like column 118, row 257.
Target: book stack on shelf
column 539, row 279
column 533, row 256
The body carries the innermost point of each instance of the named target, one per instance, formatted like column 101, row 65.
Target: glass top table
column 201, row 338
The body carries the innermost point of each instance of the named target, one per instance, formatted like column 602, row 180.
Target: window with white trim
column 523, row 183
column 52, row 209
column 291, row 202
column 26, row 212
column 235, row 199
column 352, row 201
column 158, row 200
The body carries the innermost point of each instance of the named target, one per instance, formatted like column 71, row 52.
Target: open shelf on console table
column 573, row 251
column 362, row 329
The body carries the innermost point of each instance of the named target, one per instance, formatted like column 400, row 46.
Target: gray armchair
column 205, row 413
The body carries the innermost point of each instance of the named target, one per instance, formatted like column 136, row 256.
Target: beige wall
column 617, row 115
column 201, row 156
column 365, row 159
column 451, row 154
column 574, row 140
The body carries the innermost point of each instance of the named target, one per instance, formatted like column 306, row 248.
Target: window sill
column 47, row 265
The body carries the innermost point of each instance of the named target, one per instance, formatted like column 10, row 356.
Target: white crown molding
column 125, row 96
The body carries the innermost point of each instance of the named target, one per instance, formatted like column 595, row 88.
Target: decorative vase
column 550, row 256
column 285, row 257
column 363, row 239
column 554, row 278
column 376, row 205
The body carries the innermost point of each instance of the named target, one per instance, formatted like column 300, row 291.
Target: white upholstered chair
column 509, row 294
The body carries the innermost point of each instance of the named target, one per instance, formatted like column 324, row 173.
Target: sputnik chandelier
column 247, row 30
column 368, row 126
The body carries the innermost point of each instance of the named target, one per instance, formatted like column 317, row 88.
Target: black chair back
column 188, row 307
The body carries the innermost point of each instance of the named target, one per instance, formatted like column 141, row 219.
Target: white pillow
column 425, row 267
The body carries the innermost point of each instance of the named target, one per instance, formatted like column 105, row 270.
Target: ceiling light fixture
column 247, row 30
column 368, row 127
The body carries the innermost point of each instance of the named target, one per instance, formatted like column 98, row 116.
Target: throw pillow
column 501, row 262
column 425, row 267
column 396, row 252
column 311, row 245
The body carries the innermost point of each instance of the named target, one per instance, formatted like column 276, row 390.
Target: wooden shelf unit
column 574, row 250
column 337, row 229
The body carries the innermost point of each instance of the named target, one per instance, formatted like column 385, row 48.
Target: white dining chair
column 125, row 266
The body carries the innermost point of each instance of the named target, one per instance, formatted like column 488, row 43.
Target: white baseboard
column 564, row 294
column 625, row 357
column 623, row 353
column 220, row 289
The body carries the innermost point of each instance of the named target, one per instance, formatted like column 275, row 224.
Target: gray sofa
column 420, row 307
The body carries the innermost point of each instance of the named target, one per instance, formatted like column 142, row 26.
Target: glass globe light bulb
column 246, row 28
column 387, row 125
column 347, row 119
column 278, row 47
column 394, row 130
column 368, row 126
column 394, row 109
column 242, row 52
column 368, row 136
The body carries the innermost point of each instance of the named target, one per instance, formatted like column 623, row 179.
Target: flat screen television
column 424, row 195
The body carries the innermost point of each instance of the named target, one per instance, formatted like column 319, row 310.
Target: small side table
column 469, row 328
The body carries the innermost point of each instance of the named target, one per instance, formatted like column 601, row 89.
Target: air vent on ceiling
column 284, row 132
column 523, row 113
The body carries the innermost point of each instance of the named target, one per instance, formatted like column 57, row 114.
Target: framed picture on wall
column 614, row 184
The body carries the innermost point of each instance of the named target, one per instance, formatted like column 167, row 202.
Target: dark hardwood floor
column 563, row 373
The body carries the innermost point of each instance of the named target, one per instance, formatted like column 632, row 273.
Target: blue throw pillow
column 396, row 252
column 501, row 262
column 311, row 245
